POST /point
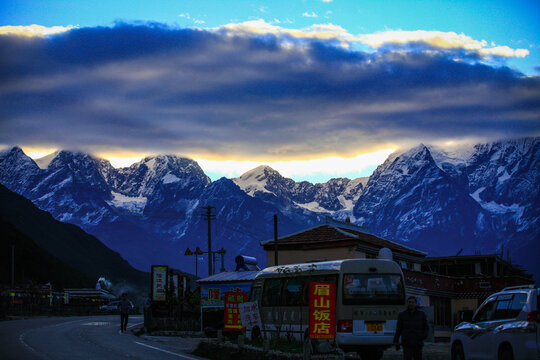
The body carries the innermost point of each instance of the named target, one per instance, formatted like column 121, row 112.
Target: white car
column 505, row 327
column 112, row 307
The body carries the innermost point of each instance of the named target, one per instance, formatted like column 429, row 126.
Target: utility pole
column 12, row 266
column 275, row 241
column 209, row 216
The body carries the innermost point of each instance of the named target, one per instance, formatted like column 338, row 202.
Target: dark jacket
column 412, row 327
column 124, row 306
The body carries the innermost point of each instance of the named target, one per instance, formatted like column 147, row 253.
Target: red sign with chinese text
column 232, row 319
column 322, row 310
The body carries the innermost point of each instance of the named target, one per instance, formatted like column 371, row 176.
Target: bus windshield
column 373, row 289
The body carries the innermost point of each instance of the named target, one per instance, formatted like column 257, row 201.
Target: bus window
column 255, row 294
column 272, row 292
column 293, row 291
column 371, row 289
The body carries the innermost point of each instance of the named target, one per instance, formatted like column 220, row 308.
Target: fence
column 33, row 303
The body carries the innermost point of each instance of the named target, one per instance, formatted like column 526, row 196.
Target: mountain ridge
column 67, row 242
column 419, row 196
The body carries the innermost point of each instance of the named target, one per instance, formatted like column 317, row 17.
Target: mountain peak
column 259, row 172
column 414, row 151
column 256, row 180
column 13, row 151
column 15, row 157
column 71, row 159
column 153, row 173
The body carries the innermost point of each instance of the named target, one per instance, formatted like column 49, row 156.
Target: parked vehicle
column 370, row 293
column 112, row 307
column 505, row 327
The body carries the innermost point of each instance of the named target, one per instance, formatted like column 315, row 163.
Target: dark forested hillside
column 33, row 264
column 67, row 242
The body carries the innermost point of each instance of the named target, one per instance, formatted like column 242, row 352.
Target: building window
column 442, row 311
column 406, row 265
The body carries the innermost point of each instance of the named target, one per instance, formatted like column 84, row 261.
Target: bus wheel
column 457, row 352
column 371, row 354
column 256, row 334
column 308, row 349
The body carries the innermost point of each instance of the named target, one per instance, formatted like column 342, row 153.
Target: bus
column 370, row 293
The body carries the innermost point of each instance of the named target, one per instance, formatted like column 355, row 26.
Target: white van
column 370, row 293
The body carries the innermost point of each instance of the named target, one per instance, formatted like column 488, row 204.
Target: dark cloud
column 154, row 88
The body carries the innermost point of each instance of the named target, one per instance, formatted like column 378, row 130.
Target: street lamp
column 211, row 257
column 197, row 252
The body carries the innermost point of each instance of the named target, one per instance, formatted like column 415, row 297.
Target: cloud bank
column 256, row 91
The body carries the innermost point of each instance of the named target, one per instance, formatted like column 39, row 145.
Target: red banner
column 232, row 319
column 322, row 310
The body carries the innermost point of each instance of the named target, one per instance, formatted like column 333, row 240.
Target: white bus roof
column 333, row 265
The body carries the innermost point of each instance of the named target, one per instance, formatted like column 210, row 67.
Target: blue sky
column 239, row 83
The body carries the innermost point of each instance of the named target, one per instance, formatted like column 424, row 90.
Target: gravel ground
column 432, row 351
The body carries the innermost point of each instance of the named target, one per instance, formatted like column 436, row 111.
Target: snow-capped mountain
column 482, row 199
column 298, row 199
column 18, row 172
column 412, row 199
column 241, row 222
column 503, row 178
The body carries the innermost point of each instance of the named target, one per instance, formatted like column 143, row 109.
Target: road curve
column 89, row 337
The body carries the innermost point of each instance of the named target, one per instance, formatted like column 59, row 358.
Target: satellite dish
column 385, row 254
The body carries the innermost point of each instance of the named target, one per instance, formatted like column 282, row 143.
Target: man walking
column 413, row 328
column 124, row 306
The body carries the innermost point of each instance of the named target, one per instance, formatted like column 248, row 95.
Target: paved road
column 95, row 337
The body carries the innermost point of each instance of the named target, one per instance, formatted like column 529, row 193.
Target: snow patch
column 454, row 155
column 61, row 184
column 253, row 181
column 151, row 163
column 314, row 207
column 46, row 196
column 502, row 178
column 348, row 205
column 130, row 203
column 476, row 195
column 496, row 208
column 170, row 178
column 480, row 221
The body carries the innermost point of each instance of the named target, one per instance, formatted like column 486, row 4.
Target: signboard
column 212, row 295
column 322, row 310
column 159, row 282
column 231, row 319
column 173, row 282
column 249, row 314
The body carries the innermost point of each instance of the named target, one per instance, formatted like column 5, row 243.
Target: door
column 479, row 334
